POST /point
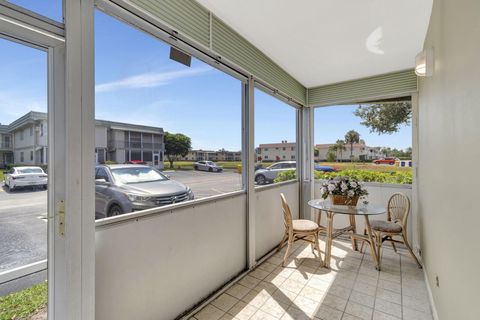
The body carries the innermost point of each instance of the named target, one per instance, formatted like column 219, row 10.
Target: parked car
column 209, row 166
column 267, row 175
column 125, row 188
column 324, row 168
column 135, row 162
column 19, row 177
column 390, row 161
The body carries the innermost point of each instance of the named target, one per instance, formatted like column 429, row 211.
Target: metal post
column 305, row 165
column 248, row 165
column 77, row 148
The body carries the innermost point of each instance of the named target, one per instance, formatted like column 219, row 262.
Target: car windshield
column 210, row 163
column 137, row 175
column 30, row 170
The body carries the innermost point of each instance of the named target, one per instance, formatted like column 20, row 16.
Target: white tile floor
column 351, row 289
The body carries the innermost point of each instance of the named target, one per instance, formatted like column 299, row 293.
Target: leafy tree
column 316, row 152
column 352, row 137
column 176, row 145
column 385, row 117
column 386, row 151
column 340, row 147
column 331, row 156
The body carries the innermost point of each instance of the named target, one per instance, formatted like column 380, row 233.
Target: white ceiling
column 326, row 41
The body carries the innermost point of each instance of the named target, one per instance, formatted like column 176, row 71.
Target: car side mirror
column 101, row 182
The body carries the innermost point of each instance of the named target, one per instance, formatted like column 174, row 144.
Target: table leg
column 328, row 242
column 353, row 224
column 371, row 241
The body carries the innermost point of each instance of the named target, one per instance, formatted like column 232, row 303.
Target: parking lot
column 23, row 227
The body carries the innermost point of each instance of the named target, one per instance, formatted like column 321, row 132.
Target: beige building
column 283, row 151
column 219, row 155
column 360, row 152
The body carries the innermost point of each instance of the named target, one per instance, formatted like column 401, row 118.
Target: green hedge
column 394, row 177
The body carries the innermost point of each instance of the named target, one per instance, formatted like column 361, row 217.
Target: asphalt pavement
column 23, row 225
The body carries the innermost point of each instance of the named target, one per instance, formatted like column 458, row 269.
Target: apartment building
column 6, row 155
column 24, row 141
column 282, row 151
column 360, row 152
column 219, row 155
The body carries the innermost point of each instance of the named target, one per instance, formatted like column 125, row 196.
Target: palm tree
column 352, row 137
column 340, row 146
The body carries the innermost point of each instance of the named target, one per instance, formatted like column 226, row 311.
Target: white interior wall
column 163, row 264
column 448, row 178
column 269, row 227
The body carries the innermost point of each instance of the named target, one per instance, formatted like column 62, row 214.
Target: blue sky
column 136, row 82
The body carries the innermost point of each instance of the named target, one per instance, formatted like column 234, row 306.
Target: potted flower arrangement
column 343, row 191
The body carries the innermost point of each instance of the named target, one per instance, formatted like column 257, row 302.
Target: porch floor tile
column 351, row 289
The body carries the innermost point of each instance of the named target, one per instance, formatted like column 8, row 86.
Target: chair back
column 398, row 208
column 287, row 214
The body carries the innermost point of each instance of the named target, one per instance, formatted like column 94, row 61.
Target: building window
column 283, row 157
column 293, row 157
column 21, row 135
column 31, row 131
column 266, row 157
column 136, row 156
column 21, row 157
column 147, row 156
column 292, row 148
column 284, row 149
column 41, row 129
column 31, row 155
column 276, row 148
column 266, row 149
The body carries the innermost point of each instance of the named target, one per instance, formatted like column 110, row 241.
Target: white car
column 209, row 166
column 264, row 176
column 18, row 177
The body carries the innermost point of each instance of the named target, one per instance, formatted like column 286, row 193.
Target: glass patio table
column 331, row 233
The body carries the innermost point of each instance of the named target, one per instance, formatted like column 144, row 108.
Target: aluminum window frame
column 129, row 18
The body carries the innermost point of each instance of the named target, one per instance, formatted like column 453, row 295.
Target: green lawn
column 23, row 304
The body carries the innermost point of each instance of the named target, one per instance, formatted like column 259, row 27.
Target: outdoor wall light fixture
column 424, row 63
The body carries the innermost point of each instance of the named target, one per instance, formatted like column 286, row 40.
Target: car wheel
column 210, row 170
column 196, row 167
column 114, row 210
column 260, row 179
column 10, row 188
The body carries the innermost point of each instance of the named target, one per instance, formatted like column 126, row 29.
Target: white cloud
column 149, row 80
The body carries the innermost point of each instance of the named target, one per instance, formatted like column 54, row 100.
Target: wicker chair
column 305, row 230
column 396, row 225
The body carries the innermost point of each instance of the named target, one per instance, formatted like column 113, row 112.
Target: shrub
column 286, row 176
column 394, row 177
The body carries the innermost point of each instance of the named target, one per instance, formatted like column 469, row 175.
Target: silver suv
column 263, row 176
column 125, row 188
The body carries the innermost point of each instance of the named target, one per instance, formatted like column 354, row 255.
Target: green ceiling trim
column 360, row 90
column 193, row 20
